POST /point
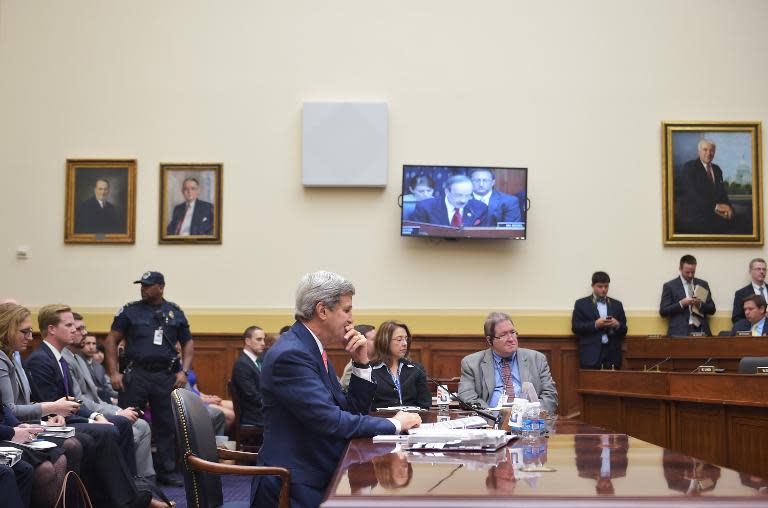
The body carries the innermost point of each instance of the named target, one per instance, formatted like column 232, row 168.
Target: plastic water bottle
column 531, row 421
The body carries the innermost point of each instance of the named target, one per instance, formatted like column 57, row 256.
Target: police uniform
column 151, row 333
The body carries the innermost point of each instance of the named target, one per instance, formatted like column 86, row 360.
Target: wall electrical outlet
column 22, row 252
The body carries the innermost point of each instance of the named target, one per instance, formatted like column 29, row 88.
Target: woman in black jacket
column 399, row 381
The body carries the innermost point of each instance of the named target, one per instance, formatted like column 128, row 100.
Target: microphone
column 464, row 404
column 705, row 362
column 657, row 364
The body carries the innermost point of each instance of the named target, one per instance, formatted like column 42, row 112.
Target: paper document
column 701, row 293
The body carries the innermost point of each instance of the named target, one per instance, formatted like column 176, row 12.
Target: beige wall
column 576, row 91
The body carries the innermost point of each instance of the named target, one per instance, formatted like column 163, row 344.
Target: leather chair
column 197, row 442
column 248, row 438
column 749, row 364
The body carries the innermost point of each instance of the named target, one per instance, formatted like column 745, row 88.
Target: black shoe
column 170, row 479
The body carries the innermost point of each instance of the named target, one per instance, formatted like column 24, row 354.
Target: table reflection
column 688, row 475
column 602, row 458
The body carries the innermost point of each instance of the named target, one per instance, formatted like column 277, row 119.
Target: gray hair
column 321, row 286
column 492, row 320
column 705, row 141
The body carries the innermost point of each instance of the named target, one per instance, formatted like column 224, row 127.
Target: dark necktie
column 506, row 377
column 710, row 174
column 65, row 375
column 456, row 220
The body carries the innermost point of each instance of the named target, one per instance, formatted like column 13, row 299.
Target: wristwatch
column 361, row 365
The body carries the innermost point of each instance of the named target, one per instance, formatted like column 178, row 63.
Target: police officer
column 151, row 328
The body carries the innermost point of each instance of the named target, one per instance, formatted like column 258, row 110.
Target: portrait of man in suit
column 191, row 203
column 193, row 216
column 96, row 215
column 458, row 208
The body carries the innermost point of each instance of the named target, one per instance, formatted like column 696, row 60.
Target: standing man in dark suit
column 755, row 287
column 754, row 322
column 501, row 207
column 601, row 326
column 458, row 208
column 245, row 376
column 702, row 198
column 678, row 302
column 308, row 420
column 96, row 215
column 193, row 216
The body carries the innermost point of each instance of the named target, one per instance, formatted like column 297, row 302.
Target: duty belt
column 154, row 366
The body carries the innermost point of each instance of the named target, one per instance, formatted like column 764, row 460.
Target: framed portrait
column 101, row 201
column 712, row 182
column 190, row 202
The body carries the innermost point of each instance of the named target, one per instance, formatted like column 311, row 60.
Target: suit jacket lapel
column 311, row 346
column 522, row 363
column 489, row 372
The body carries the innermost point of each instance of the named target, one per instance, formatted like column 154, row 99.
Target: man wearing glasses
column 503, row 368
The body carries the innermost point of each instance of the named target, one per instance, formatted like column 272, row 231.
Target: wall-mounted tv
column 464, row 202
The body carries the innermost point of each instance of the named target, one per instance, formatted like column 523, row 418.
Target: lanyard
column 396, row 380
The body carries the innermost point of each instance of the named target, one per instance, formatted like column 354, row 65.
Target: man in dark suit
column 308, row 420
column 755, row 287
column 602, row 458
column 601, row 326
column 457, row 208
column 245, row 376
column 702, row 198
column 96, row 215
column 687, row 314
column 193, row 216
column 754, row 322
column 501, row 207
column 50, row 377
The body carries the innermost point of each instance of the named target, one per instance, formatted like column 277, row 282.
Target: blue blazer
column 433, row 211
column 590, row 338
column 47, row 383
column 503, row 208
column 308, row 420
column 202, row 219
column 671, row 294
column 745, row 326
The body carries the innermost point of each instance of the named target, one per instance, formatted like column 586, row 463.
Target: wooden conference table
column 591, row 467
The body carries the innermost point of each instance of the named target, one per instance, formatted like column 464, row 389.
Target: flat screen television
column 464, row 202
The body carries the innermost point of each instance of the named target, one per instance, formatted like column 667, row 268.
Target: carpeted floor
column 235, row 488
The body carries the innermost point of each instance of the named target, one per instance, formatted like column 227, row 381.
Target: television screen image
column 464, row 202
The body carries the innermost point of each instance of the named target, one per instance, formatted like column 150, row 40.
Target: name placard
column 706, row 369
column 761, row 370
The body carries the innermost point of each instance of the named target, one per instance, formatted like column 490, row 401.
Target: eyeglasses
column 27, row 332
column 507, row 335
column 400, row 340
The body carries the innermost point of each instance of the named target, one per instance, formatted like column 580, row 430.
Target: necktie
column 183, row 217
column 456, row 220
column 20, row 372
column 258, row 364
column 754, row 329
column 710, row 174
column 65, row 375
column 506, row 377
column 325, row 360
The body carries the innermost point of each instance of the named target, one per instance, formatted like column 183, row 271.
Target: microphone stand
column 656, row 366
column 464, row 404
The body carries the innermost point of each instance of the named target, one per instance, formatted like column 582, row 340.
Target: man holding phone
column 601, row 326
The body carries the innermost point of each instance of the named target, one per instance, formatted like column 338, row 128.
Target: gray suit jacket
column 13, row 394
column 83, row 386
column 478, row 377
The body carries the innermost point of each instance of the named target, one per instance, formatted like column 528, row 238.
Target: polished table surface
column 589, row 466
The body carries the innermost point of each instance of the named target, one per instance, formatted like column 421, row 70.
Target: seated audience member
column 503, row 367
column 754, row 309
column 284, row 329
column 84, row 388
column 458, row 208
column 399, row 381
column 755, row 287
column 245, row 376
column 15, row 334
column 501, row 206
column 369, row 332
column 679, row 304
column 601, row 326
column 221, row 415
column 421, row 187
column 308, row 419
column 16, row 481
column 93, row 354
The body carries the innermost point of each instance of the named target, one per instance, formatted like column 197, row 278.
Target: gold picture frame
column 100, row 201
column 190, row 203
column 712, row 183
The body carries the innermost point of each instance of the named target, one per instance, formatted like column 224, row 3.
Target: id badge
column 158, row 337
